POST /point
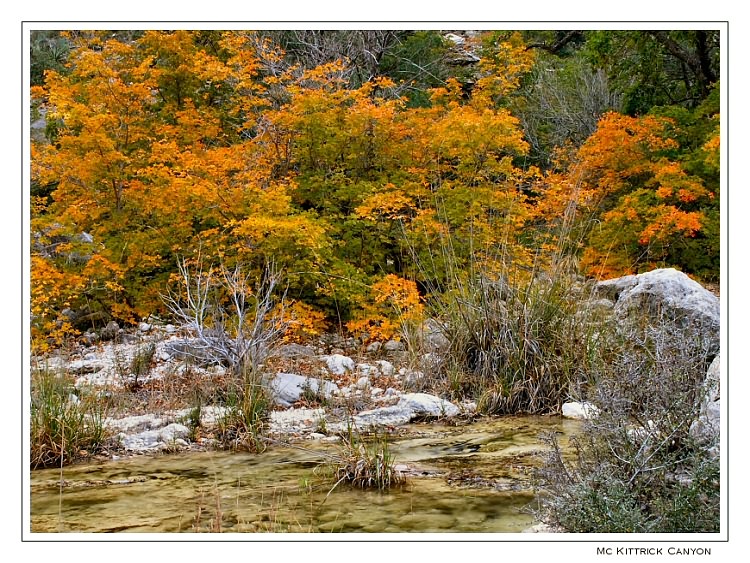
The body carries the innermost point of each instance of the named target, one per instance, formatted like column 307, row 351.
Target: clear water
column 472, row 478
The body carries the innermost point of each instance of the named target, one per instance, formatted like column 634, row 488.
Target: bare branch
column 233, row 324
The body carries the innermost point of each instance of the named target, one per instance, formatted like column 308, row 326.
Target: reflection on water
column 472, row 478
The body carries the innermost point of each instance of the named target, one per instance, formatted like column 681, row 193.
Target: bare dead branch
column 233, row 323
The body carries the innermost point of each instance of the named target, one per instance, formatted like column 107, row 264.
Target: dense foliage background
column 369, row 165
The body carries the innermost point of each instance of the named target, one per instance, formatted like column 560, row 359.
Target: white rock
column 580, row 411
column 385, row 367
column 363, row 382
column 367, row 369
column 469, row 407
column 212, row 414
column 144, row 327
column 425, row 404
column 331, row 439
column 713, row 380
column 339, row 364
column 457, row 39
column 410, row 406
column 393, row 346
column 434, row 337
column 374, row 347
column 172, row 434
column 670, row 291
column 395, row 415
column 413, row 377
column 131, row 423
column 287, row 388
column 294, row 419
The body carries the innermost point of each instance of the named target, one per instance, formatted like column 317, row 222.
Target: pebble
column 393, row 346
column 367, row 369
column 386, row 367
column 363, row 382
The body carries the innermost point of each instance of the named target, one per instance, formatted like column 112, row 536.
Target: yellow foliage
column 394, row 303
column 303, row 321
column 52, row 291
column 392, row 205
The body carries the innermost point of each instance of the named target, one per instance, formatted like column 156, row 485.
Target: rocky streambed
column 469, row 478
column 163, row 469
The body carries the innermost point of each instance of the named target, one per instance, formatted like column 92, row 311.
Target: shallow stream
column 470, row 478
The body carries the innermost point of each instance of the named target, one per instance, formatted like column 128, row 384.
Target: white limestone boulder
column 287, row 388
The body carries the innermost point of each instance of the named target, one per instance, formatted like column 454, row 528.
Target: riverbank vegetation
column 66, row 424
column 258, row 188
column 636, row 466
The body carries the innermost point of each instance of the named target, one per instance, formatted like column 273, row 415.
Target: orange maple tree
column 629, row 194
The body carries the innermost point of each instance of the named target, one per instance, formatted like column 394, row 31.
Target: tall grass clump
column 636, row 467
column 520, row 341
column 365, row 462
column 141, row 362
column 63, row 427
column 519, row 320
column 248, row 405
